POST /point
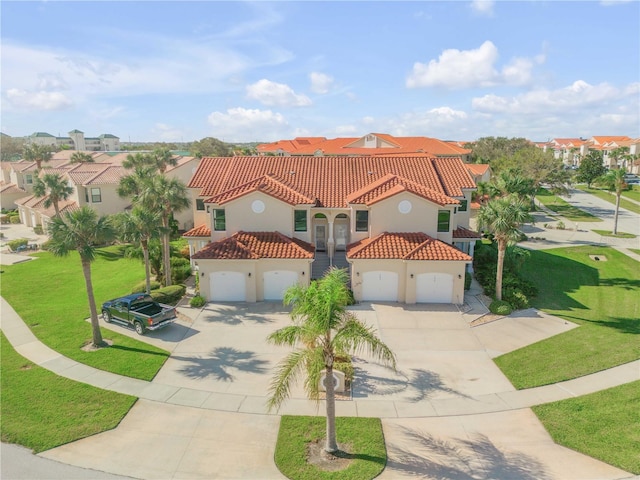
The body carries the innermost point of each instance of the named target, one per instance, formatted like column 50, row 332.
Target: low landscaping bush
column 142, row 286
column 180, row 269
column 169, row 295
column 15, row 219
column 4, row 219
column 38, row 230
column 19, row 242
column 516, row 298
column 197, row 302
column 500, row 307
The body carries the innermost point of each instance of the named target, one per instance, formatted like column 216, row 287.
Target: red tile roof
column 199, row 231
column 404, row 246
column 254, row 245
column 345, row 146
column 477, row 168
column 462, row 232
column 390, row 185
column 7, row 188
column 330, row 179
column 268, row 185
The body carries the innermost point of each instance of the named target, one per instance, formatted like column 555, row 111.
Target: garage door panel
column 381, row 286
column 434, row 288
column 228, row 287
column 277, row 281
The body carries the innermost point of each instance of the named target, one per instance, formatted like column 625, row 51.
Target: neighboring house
column 480, row 172
column 94, row 184
column 607, row 144
column 569, row 150
column 77, row 141
column 371, row 144
column 400, row 224
column 9, row 193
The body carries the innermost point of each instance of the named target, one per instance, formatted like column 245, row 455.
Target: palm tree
column 82, row 230
column 166, row 195
column 620, row 154
column 323, row 329
column 614, row 181
column 140, row 226
column 502, row 217
column 163, row 158
column 37, row 153
column 55, row 188
column 81, row 157
column 137, row 159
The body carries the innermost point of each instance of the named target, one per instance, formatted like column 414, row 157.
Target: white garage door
column 380, row 286
column 434, row 288
column 276, row 282
column 228, row 287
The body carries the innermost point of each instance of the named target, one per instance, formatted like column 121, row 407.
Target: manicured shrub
column 345, row 365
column 516, row 298
column 170, row 295
column 15, row 219
column 4, row 219
column 500, row 307
column 19, row 242
column 180, row 269
column 142, row 286
column 38, row 230
column 197, row 302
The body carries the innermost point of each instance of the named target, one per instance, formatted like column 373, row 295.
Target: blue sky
column 263, row 71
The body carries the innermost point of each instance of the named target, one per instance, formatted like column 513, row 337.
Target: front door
column 321, row 237
column 341, row 236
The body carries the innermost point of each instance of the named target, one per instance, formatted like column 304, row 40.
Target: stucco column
column 331, row 243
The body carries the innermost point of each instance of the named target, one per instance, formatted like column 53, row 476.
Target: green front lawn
column 633, row 193
column 41, row 410
column 609, row 233
column 611, row 198
column 600, row 296
column 561, row 207
column 366, row 451
column 604, row 425
column 50, row 295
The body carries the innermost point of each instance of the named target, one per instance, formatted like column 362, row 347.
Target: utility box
column 338, row 381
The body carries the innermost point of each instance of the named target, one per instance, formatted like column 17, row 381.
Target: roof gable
column 404, row 246
column 391, row 185
column 255, row 245
column 267, row 184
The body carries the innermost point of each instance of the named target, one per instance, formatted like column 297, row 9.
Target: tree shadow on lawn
column 220, row 362
column 556, row 277
column 623, row 325
column 474, row 459
column 625, row 283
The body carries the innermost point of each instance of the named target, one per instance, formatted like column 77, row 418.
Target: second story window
column 219, row 221
column 300, row 221
column 199, row 204
column 362, row 221
column 96, row 195
column 463, row 206
column 444, row 217
column 28, row 178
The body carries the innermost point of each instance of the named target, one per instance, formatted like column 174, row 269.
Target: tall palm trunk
column 147, row 268
column 166, row 250
column 331, row 443
column 95, row 325
column 502, row 248
column 615, row 215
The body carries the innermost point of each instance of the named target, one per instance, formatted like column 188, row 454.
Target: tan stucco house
column 399, row 224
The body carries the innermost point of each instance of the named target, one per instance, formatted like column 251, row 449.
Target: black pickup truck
column 140, row 311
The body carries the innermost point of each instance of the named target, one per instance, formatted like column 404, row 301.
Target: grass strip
column 611, row 198
column 600, row 296
column 49, row 294
column 368, row 455
column 604, row 425
column 633, row 193
column 609, row 233
column 561, row 207
column 41, row 410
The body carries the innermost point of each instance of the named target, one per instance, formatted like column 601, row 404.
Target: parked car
column 140, row 311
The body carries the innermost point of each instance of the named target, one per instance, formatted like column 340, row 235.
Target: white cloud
column 457, row 69
column 483, row 7
column 276, row 94
column 167, row 133
column 320, row 82
column 38, row 100
column 246, row 125
column 578, row 96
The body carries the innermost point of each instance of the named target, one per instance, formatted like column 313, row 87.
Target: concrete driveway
column 443, row 365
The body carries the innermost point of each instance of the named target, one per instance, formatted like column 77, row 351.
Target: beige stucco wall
column 277, row 215
column 253, row 271
column 404, row 269
column 384, row 216
column 111, row 202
